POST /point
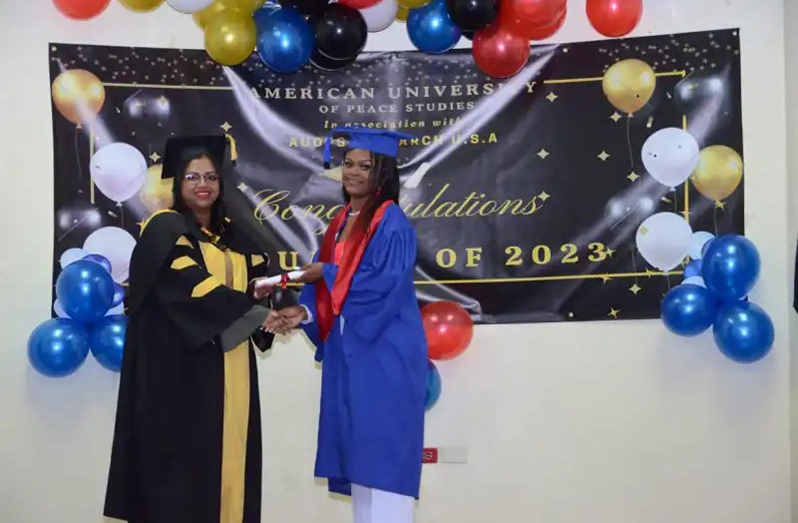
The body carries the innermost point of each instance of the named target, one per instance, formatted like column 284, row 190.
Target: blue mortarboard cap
column 378, row 141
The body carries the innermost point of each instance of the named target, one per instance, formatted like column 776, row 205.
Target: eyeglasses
column 195, row 178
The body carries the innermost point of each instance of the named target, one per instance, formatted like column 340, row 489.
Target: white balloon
column 700, row 239
column 72, row 255
column 670, row 155
column 119, row 171
column 379, row 16
column 115, row 244
column 695, row 280
column 664, row 239
column 59, row 310
column 189, row 6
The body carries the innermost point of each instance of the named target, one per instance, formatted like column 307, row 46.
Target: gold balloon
column 629, row 85
column 718, row 173
column 142, row 6
column 401, row 14
column 203, row 18
column 248, row 6
column 230, row 37
column 78, row 95
column 156, row 194
column 413, row 4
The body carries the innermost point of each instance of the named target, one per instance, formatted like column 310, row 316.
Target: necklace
column 354, row 213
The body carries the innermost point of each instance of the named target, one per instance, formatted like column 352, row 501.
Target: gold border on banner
column 562, row 277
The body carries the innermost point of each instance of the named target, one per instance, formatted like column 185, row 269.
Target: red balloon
column 359, row 4
column 81, row 9
column 536, row 12
column 449, row 329
column 529, row 31
column 498, row 52
column 614, row 17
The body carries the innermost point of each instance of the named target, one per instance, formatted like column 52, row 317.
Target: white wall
column 600, row 423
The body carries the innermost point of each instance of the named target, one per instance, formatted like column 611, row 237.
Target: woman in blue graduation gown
column 359, row 308
column 187, row 443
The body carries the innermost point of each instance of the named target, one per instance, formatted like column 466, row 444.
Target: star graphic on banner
column 634, row 289
column 720, row 205
column 605, row 278
column 633, row 176
column 614, row 313
column 155, row 157
column 544, row 196
column 226, row 127
column 242, row 187
column 163, row 100
column 603, row 156
column 551, row 97
column 543, row 154
column 643, row 230
column 649, row 273
column 610, row 252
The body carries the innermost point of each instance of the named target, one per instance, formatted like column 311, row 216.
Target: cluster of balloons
column 292, row 33
column 715, row 293
column 449, row 330
column 671, row 155
column 89, row 308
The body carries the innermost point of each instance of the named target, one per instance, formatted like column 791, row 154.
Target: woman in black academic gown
column 187, row 443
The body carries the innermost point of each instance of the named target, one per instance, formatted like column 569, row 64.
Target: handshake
column 285, row 320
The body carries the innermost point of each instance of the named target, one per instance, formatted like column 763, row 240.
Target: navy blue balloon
column 286, row 41
column 731, row 267
column 688, row 310
column 431, row 28
column 433, row 386
column 107, row 341
column 744, row 332
column 692, row 269
column 119, row 295
column 58, row 347
column 99, row 258
column 85, row 291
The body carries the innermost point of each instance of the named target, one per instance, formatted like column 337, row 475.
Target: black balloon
column 305, row 7
column 472, row 15
column 325, row 63
column 701, row 90
column 469, row 34
column 340, row 32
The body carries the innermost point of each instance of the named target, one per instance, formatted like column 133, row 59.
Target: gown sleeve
column 307, row 299
column 379, row 287
column 199, row 307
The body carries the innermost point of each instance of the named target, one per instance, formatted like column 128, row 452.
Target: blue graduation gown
column 374, row 369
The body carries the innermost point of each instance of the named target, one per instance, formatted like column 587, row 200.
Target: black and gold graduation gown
column 187, row 441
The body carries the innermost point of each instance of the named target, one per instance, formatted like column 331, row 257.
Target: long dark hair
column 218, row 216
column 383, row 185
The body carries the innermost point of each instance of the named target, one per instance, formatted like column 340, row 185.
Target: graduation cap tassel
column 233, row 148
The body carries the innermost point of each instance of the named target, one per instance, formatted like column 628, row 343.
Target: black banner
column 526, row 193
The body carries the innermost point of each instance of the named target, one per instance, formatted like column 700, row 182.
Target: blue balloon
column 119, row 295
column 107, row 341
column 286, row 41
column 731, row 267
column 433, row 386
column 744, row 332
column 431, row 29
column 57, row 347
column 85, row 291
column 692, row 269
column 99, row 258
column 688, row 310
column 263, row 13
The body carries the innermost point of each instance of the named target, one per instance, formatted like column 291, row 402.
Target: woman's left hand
column 313, row 272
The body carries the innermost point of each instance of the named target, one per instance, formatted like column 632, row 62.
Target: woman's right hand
column 293, row 316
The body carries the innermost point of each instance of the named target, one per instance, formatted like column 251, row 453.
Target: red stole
column 329, row 305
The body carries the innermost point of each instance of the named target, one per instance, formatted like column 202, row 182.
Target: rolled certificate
column 273, row 281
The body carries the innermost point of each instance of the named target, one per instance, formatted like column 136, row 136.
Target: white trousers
column 378, row 506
